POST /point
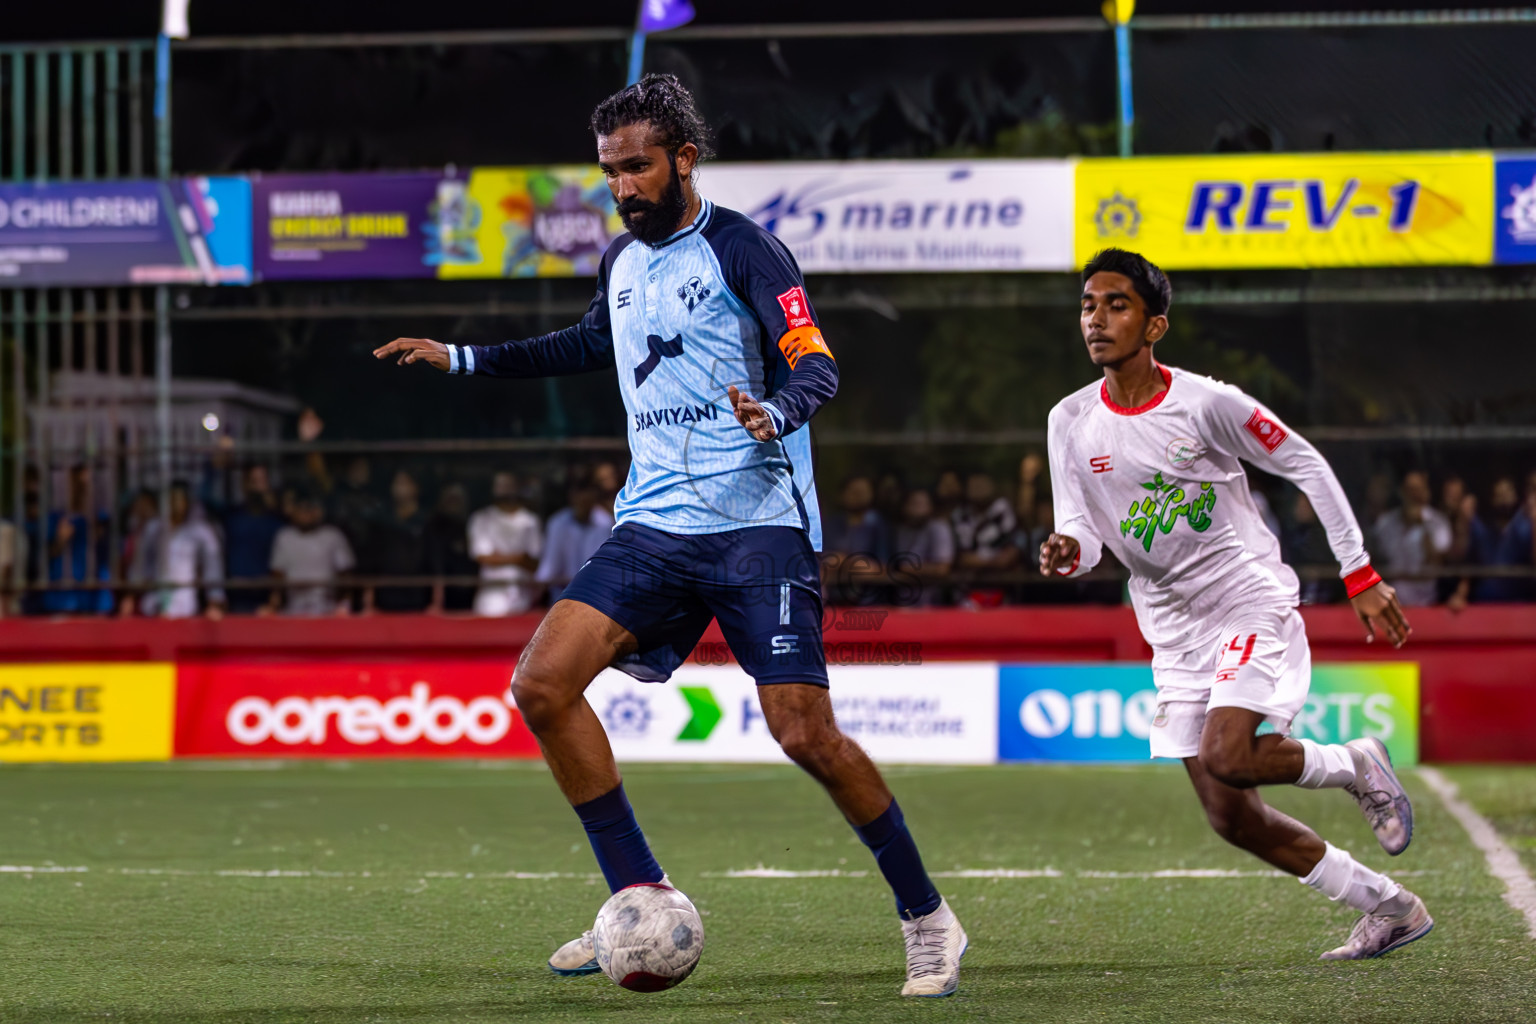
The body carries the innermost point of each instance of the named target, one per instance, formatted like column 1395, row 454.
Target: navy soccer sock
column 617, row 841
column 896, row 854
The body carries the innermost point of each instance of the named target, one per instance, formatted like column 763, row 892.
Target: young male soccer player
column 700, row 309
column 1145, row 462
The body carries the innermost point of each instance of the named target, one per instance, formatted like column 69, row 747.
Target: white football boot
column 1375, row 935
column 935, row 944
column 578, row 956
column 1381, row 797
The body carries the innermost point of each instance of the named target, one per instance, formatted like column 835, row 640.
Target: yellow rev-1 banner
column 74, row 711
column 1293, row 210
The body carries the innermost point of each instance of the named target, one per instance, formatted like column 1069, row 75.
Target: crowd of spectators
column 326, row 545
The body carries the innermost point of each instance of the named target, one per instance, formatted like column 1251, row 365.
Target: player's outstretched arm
column 751, row 415
column 415, row 350
column 1377, row 606
column 1059, row 551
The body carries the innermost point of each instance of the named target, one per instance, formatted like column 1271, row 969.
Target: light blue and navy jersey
column 720, row 303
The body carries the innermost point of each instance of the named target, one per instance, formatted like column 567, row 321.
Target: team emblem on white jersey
column 1183, row 452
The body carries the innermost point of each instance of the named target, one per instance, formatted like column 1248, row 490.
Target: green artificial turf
column 399, row 908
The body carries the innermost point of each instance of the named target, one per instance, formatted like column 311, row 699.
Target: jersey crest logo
column 1102, row 463
column 1183, row 452
column 693, row 293
column 1266, row 431
column 797, row 311
column 659, row 349
column 1161, row 511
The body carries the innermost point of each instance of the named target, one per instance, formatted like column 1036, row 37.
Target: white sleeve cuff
column 461, row 359
column 467, row 354
column 453, row 358
column 776, row 416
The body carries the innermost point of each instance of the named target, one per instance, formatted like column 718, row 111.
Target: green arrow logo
column 706, row 713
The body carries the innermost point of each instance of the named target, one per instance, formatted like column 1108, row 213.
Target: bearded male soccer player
column 1146, row 463
column 721, row 364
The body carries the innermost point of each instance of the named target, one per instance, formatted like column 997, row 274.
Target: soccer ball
column 648, row 937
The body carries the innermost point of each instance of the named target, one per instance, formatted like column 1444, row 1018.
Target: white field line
column 758, row 872
column 1503, row 863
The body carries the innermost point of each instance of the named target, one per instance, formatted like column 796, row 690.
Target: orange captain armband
column 803, row 341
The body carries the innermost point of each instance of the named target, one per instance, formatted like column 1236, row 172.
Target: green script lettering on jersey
column 1160, row 512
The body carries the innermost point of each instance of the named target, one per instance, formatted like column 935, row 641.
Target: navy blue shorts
column 763, row 583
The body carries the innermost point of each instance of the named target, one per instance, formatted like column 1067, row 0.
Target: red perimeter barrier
column 1478, row 668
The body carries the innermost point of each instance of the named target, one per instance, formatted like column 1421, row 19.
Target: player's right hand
column 415, row 350
column 1057, row 551
column 1378, row 607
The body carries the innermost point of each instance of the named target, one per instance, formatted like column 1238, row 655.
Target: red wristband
column 1073, row 567
column 1361, row 580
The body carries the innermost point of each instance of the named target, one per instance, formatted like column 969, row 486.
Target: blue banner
column 1514, row 202
column 182, row 231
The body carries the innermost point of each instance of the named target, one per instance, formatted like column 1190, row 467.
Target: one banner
column 86, row 712
column 1294, row 210
column 330, row 226
column 907, row 215
column 182, row 231
column 1514, row 195
column 912, row 714
column 529, row 222
column 389, row 709
column 1093, row 712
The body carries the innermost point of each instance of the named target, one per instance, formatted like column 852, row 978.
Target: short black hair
column 1146, row 277
column 662, row 102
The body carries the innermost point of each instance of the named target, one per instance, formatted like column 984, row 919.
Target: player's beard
column 660, row 219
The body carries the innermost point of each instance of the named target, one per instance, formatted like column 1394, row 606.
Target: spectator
column 8, row 565
column 310, row 552
column 187, row 555
column 1026, row 501
column 249, row 530
column 356, row 508
column 1503, row 504
column 573, row 535
column 947, row 494
column 76, row 551
column 925, row 548
column 1471, row 541
column 855, row 543
column 890, row 496
column 1411, row 538
column 608, row 479
column 506, row 539
column 397, row 546
column 447, row 538
column 1305, row 543
column 984, row 525
column 1515, row 546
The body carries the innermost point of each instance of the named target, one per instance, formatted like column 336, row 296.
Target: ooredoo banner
column 911, row 714
column 114, row 711
column 1086, row 712
column 427, row 709
column 907, row 215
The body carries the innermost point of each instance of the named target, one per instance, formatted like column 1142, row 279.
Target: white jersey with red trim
column 1161, row 486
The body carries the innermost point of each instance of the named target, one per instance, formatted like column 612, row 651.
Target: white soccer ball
column 648, row 937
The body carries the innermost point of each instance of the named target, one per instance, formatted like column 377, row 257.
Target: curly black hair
column 1146, row 277
column 662, row 102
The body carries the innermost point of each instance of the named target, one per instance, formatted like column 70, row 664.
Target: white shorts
column 1260, row 661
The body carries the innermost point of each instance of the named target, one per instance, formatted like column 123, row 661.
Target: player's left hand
column 1378, row 607
column 751, row 414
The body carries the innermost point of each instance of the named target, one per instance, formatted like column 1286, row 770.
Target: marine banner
column 67, row 711
column 1088, row 712
column 527, row 222
column 181, row 231
column 907, row 215
column 339, row 226
column 1290, row 210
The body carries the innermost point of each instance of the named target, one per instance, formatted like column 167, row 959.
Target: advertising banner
column 1292, row 210
column 528, row 222
column 86, row 712
column 330, row 226
column 182, row 231
column 912, row 714
column 1084, row 712
column 388, row 709
column 1514, row 196
column 907, row 215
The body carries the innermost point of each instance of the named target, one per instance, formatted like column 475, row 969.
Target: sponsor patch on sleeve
column 803, row 341
column 1268, row 433
column 797, row 311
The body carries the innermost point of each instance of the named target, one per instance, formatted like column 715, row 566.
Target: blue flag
column 660, row 15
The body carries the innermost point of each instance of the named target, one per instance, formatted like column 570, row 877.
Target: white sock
column 1326, row 765
column 1340, row 877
